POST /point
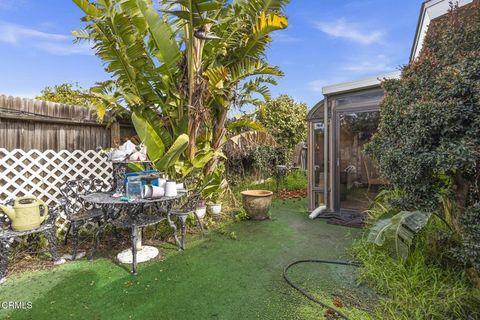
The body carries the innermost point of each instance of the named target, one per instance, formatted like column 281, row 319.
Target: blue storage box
column 148, row 177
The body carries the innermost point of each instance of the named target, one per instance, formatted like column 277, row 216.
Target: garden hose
column 308, row 295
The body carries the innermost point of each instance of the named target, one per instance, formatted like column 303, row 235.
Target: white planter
column 201, row 212
column 214, row 209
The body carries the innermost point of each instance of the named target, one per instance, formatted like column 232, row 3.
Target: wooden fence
column 34, row 124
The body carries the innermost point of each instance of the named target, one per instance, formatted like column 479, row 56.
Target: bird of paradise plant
column 179, row 66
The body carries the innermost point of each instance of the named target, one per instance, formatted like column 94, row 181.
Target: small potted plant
column 201, row 209
column 214, row 205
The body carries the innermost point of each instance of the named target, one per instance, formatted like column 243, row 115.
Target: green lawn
column 217, row 277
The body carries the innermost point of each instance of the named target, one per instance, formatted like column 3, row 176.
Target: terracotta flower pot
column 257, row 203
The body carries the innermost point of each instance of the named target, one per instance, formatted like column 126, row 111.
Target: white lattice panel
column 42, row 173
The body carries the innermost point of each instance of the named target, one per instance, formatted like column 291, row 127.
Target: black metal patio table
column 132, row 214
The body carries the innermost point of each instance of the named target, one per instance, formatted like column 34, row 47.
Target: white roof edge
column 359, row 84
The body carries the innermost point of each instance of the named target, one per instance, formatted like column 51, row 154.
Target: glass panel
column 318, row 162
column 368, row 98
column 319, row 199
column 359, row 178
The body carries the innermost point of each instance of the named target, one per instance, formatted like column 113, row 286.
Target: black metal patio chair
column 77, row 211
column 194, row 194
column 48, row 228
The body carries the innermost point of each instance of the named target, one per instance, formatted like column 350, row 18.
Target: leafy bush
column 285, row 118
column 67, row 93
column 382, row 205
column 470, row 251
column 265, row 158
column 436, row 102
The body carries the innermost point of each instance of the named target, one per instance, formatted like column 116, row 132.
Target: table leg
column 174, row 227
column 51, row 236
column 98, row 235
column 135, row 242
column 137, row 253
column 199, row 223
column 183, row 221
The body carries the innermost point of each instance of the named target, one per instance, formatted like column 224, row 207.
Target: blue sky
column 326, row 42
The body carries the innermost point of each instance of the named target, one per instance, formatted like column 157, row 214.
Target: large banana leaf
column 252, row 67
column 148, row 135
column 87, row 7
column 169, row 159
column 261, row 5
column 162, row 36
column 265, row 24
column 196, row 12
column 402, row 228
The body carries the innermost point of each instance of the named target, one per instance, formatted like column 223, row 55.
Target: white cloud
column 281, row 37
column 65, row 49
column 379, row 63
column 317, row 85
column 12, row 4
column 53, row 43
column 351, row 31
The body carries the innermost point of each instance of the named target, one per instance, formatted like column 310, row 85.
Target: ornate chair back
column 72, row 203
column 194, row 193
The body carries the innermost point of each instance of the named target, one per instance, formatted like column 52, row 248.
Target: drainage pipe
column 315, row 213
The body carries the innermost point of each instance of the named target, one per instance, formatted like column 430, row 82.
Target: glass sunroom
column 341, row 177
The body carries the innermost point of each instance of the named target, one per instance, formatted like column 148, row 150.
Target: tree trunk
column 219, row 133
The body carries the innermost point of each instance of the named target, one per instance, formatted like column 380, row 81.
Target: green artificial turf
column 221, row 276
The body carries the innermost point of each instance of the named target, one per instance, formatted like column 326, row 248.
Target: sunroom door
column 357, row 176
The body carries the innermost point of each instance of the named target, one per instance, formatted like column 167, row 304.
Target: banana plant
column 179, row 68
column 401, row 228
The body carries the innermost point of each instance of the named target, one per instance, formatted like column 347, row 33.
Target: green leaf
column 166, row 47
column 173, row 154
column 87, row 7
column 377, row 232
column 148, row 136
column 402, row 228
column 201, row 160
column 239, row 123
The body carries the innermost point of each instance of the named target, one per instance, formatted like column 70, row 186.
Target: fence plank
column 34, row 124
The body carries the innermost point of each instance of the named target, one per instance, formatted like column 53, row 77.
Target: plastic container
column 134, row 188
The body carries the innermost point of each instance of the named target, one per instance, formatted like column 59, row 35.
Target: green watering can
column 27, row 213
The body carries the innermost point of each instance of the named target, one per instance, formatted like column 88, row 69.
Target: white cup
column 147, row 192
column 152, row 192
column 180, row 186
column 171, row 189
column 162, row 182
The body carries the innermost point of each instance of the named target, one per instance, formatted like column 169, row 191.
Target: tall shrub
column 428, row 142
column 284, row 118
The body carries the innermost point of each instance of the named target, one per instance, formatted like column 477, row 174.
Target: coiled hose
column 308, row 295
